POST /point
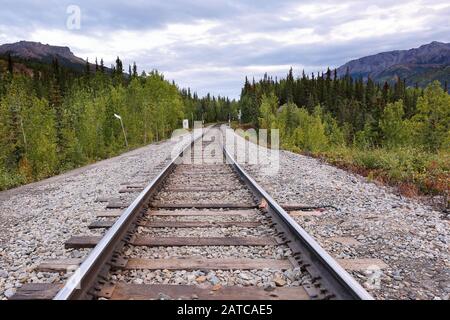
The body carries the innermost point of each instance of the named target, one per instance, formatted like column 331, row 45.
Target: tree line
column 57, row 119
column 350, row 111
column 401, row 134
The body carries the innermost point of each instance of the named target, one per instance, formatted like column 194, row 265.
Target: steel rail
column 85, row 276
column 341, row 283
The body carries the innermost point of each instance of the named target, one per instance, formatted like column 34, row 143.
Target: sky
column 210, row 46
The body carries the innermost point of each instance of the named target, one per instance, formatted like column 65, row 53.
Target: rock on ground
column 37, row 218
column 406, row 234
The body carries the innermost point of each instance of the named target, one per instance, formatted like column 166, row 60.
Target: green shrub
column 375, row 159
column 10, row 180
column 418, row 168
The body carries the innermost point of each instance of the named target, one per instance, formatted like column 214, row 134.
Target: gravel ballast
column 406, row 234
column 37, row 219
column 217, row 177
column 410, row 237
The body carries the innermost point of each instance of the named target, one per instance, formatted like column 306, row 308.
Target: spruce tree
column 87, row 68
column 328, row 74
column 385, row 94
column 119, row 67
column 289, row 95
column 102, row 66
column 135, row 74
column 10, row 64
column 118, row 71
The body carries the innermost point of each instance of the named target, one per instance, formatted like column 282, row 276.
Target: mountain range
column 43, row 52
column 418, row 66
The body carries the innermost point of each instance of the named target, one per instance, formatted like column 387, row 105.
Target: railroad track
column 200, row 230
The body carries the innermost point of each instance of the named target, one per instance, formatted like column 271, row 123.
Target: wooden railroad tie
column 243, row 213
column 91, row 241
column 130, row 183
column 179, row 224
column 173, row 206
column 203, row 241
column 207, row 264
column 123, row 291
column 199, row 263
column 117, row 205
column 109, row 213
column 199, row 189
column 131, row 190
column 174, row 264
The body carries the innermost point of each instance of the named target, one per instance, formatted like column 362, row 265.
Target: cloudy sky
column 212, row 45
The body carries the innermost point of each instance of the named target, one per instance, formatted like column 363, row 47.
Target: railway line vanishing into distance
column 217, row 223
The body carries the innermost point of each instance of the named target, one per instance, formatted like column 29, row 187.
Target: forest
column 388, row 132
column 54, row 119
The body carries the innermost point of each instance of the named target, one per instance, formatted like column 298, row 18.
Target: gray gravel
column 406, row 234
column 186, row 178
column 36, row 219
column 410, row 237
column 267, row 278
column 216, row 252
column 232, row 231
column 209, row 218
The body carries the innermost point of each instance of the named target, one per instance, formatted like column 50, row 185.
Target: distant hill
column 44, row 53
column 420, row 65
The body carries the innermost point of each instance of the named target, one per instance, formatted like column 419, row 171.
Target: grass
column 10, row 180
column 412, row 170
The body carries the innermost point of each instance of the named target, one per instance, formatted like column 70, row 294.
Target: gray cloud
column 212, row 46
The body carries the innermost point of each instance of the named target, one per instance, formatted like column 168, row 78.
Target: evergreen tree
column 56, row 120
column 10, row 64
column 289, row 87
column 119, row 67
column 87, row 68
column 118, row 72
column 135, row 73
column 102, row 66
